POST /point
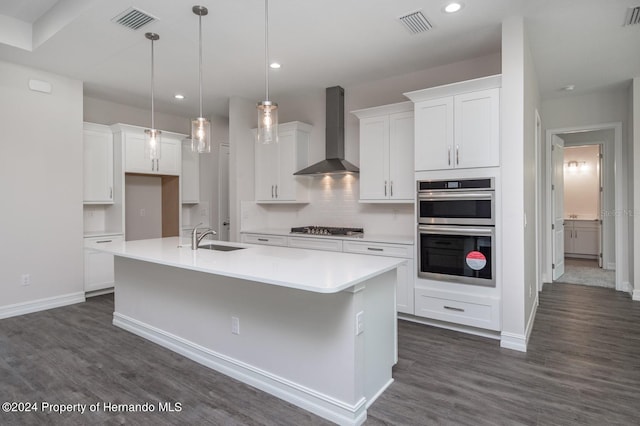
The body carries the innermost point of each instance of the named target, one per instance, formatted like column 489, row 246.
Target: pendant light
column 152, row 136
column 200, row 127
column 267, row 110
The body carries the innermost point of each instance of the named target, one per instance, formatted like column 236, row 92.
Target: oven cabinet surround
column 275, row 164
column 97, row 142
column 386, row 148
column 135, row 161
column 405, row 272
column 322, row 341
column 98, row 265
column 458, row 125
column 582, row 238
column 468, row 308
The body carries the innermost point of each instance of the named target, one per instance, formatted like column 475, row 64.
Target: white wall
column 334, row 201
column 635, row 155
column 582, row 183
column 41, row 174
column 519, row 101
column 601, row 107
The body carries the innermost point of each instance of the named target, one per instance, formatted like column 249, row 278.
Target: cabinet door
column 434, row 134
column 190, row 178
column 568, row 237
column 401, row 175
column 477, row 129
column 170, row 157
column 98, row 266
column 98, row 165
column 266, row 170
column 135, row 160
column 405, row 288
column 285, row 166
column 586, row 240
column 374, row 154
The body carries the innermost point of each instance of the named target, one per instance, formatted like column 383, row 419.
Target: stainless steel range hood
column 334, row 162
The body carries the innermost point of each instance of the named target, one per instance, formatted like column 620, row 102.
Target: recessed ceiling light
column 568, row 87
column 178, row 96
column 453, row 7
column 275, row 65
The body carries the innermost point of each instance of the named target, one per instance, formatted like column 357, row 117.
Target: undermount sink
column 219, row 247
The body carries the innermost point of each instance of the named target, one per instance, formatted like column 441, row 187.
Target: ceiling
column 319, row 43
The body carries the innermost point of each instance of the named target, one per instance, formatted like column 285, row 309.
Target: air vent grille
column 133, row 18
column 633, row 16
column 415, row 22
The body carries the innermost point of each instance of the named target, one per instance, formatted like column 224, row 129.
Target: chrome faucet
column 195, row 239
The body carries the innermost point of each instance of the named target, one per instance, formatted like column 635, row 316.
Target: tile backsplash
column 333, row 201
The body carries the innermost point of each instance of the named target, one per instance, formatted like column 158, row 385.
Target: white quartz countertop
column 368, row 238
column 310, row 270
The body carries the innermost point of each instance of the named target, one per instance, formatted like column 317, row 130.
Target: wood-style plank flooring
column 582, row 368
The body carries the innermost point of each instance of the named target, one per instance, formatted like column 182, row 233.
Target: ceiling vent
column 133, row 18
column 415, row 22
column 633, row 16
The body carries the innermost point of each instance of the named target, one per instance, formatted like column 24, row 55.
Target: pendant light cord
column 200, row 61
column 152, row 85
column 266, row 47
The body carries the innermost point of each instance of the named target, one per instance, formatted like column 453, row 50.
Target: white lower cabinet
column 582, row 238
column 406, row 272
column 267, row 240
column 98, row 266
column 459, row 308
column 404, row 286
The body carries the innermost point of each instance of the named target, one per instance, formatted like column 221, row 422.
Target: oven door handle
column 455, row 230
column 456, row 196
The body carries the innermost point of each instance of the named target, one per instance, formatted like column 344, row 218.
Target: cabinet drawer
column 472, row 311
column 379, row 249
column 268, row 240
column 315, row 243
column 90, row 242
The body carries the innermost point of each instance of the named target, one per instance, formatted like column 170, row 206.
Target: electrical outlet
column 25, row 279
column 143, row 212
column 235, row 325
column 359, row 323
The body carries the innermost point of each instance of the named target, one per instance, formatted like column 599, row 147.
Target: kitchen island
column 317, row 329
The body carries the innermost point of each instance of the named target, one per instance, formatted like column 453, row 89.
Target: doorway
column 609, row 239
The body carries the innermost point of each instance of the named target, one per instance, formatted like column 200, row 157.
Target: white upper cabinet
column 98, row 164
column 190, row 179
column 386, row 153
column 458, row 125
column 276, row 163
column 135, row 161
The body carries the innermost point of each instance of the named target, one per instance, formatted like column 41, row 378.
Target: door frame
column 620, row 226
column 221, row 218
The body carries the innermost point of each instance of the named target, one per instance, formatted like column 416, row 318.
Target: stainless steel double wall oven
column 456, row 230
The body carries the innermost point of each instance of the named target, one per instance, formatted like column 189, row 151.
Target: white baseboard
column 41, row 304
column 323, row 405
column 635, row 295
column 450, row 326
column 516, row 342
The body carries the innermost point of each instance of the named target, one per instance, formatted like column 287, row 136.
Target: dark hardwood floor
column 582, row 368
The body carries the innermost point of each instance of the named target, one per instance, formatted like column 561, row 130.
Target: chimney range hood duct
column 334, row 162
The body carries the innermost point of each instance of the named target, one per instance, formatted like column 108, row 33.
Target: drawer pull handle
column 263, row 239
column 374, row 249
column 451, row 308
column 103, row 241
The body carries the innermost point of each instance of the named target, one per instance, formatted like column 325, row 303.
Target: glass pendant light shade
column 267, row 122
column 152, row 143
column 200, row 135
column 267, row 110
column 200, row 127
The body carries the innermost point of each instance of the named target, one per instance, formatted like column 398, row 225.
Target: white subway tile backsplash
column 333, row 201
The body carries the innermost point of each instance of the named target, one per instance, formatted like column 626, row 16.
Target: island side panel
column 304, row 339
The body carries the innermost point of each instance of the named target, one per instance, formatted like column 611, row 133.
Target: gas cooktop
column 329, row 230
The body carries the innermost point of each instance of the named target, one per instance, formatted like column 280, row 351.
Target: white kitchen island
column 317, row 329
